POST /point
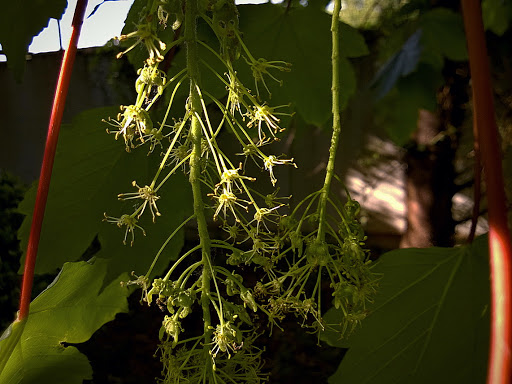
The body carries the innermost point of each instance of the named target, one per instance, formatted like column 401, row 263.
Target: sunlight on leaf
column 69, row 311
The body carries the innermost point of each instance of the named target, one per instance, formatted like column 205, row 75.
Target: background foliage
column 11, row 193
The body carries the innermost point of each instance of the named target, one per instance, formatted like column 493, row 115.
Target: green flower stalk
column 336, row 120
column 191, row 14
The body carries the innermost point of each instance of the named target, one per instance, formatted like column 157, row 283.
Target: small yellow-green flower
column 146, row 34
column 230, row 178
column 125, row 220
column 147, row 194
column 149, row 77
column 228, row 200
column 133, row 122
column 271, row 161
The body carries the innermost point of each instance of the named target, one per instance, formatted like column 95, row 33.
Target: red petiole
column 500, row 248
column 49, row 155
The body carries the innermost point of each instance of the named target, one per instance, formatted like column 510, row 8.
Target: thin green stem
column 336, row 124
column 165, row 244
column 180, row 73
column 212, row 148
column 182, row 281
column 176, row 137
column 178, row 262
column 191, row 14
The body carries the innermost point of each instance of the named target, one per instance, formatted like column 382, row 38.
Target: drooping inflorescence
column 291, row 258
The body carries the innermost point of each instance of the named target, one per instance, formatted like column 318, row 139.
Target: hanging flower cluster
column 293, row 260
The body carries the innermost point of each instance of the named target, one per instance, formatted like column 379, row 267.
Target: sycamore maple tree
column 217, row 85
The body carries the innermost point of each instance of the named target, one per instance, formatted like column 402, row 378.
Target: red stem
column 500, row 248
column 477, row 193
column 49, row 155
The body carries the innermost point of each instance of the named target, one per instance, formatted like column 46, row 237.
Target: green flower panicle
column 297, row 252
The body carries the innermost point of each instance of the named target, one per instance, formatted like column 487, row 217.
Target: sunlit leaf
column 68, row 312
column 429, row 320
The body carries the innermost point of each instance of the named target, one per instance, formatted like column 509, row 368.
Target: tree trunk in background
column 430, row 186
column 431, row 173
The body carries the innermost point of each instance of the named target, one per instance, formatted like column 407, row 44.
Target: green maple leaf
column 69, row 311
column 301, row 36
column 20, row 21
column 91, row 169
column 429, row 322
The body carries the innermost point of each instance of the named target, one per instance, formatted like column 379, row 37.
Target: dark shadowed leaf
column 429, row 320
column 497, row 15
column 398, row 111
column 302, row 37
column 20, row 21
column 443, row 37
column 400, row 64
column 90, row 169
